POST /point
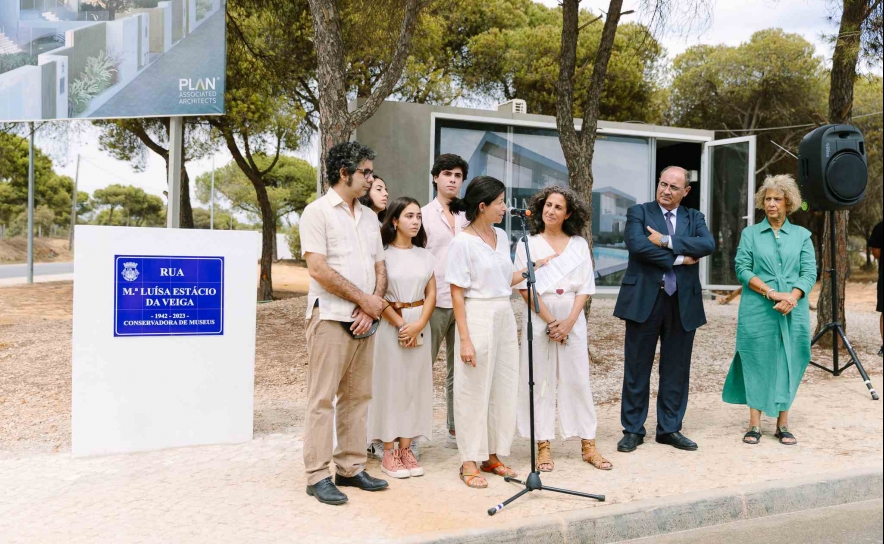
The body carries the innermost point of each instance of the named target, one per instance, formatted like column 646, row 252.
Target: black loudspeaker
column 832, row 167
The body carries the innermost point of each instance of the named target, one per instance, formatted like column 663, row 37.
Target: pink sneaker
column 410, row 462
column 392, row 464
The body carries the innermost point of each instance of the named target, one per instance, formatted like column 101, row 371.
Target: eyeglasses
column 367, row 172
column 673, row 188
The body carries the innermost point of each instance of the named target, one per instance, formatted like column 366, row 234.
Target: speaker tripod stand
column 835, row 324
column 532, row 482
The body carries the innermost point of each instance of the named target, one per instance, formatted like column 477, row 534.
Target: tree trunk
column 268, row 238
column 843, row 76
column 185, row 215
column 579, row 148
column 336, row 123
column 268, row 219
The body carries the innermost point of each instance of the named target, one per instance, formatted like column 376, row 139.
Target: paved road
column 855, row 523
column 40, row 269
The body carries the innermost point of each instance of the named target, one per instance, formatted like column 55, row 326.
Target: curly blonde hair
column 784, row 184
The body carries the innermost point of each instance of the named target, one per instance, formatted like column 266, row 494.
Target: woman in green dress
column 776, row 265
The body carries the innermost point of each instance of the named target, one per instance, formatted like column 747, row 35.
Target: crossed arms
column 642, row 246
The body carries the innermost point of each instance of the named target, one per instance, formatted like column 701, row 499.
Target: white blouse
column 580, row 281
column 481, row 271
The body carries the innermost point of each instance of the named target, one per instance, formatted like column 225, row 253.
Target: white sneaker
column 392, row 465
column 452, row 440
column 415, row 451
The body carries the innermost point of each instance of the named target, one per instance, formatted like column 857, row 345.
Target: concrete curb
column 664, row 515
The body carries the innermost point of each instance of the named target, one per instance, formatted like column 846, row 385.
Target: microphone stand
column 533, row 483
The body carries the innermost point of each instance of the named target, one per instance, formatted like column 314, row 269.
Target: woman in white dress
column 486, row 384
column 402, row 385
column 560, row 343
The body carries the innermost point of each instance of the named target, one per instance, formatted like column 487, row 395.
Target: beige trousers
column 485, row 395
column 338, row 366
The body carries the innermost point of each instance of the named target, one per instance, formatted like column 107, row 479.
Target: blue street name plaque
column 168, row 295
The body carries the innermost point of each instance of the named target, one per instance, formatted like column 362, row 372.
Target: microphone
column 519, row 212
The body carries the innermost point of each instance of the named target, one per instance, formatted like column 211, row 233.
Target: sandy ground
column 46, row 250
column 254, row 492
column 35, row 375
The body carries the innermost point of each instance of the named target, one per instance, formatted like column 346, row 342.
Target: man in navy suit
column 661, row 298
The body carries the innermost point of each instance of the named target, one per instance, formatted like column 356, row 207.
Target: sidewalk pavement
column 255, row 491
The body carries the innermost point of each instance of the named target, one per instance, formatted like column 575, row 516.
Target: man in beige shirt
column 345, row 257
column 449, row 172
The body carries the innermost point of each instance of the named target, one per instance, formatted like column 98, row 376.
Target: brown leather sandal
column 593, row 457
column 544, row 457
column 476, row 480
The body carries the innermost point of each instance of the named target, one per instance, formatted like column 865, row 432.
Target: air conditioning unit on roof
column 516, row 105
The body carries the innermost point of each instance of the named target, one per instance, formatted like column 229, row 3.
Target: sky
column 733, row 22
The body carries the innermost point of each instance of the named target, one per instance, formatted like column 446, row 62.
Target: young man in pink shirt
column 449, row 172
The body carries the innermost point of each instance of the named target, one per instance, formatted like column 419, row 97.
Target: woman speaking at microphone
column 560, row 343
column 486, row 384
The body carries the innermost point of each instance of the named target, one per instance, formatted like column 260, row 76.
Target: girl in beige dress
column 402, row 390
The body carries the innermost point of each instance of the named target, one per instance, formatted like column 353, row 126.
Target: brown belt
column 397, row 306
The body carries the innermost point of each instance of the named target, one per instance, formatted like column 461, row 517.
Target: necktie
column 669, row 284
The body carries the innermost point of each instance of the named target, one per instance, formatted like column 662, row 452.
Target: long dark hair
column 394, row 211
column 481, row 190
column 365, row 199
column 573, row 226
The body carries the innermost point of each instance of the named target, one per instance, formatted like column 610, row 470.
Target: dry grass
column 46, row 250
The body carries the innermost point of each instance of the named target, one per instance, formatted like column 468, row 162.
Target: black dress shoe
column 362, row 480
column 629, row 442
column 677, row 440
column 326, row 492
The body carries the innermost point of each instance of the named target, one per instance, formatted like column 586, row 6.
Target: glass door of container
column 727, row 195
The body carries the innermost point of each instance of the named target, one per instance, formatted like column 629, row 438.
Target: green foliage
column 291, row 185
column 868, row 97
column 202, row 8
column 224, row 220
column 11, row 61
column 772, row 80
column 293, row 239
column 136, row 208
column 520, row 60
column 99, row 75
column 50, row 189
column 44, row 219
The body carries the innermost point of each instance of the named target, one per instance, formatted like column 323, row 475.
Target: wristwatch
column 664, row 241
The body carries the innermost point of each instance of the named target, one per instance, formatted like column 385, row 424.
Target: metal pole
column 833, row 278
column 74, row 205
column 212, row 205
column 31, row 206
column 176, row 136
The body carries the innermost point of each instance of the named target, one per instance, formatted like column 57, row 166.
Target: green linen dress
column 772, row 350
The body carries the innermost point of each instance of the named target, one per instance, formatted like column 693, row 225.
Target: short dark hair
column 573, row 226
column 449, row 161
column 481, row 190
column 365, row 199
column 394, row 211
column 346, row 155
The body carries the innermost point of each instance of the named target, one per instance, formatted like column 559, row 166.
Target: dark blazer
column 647, row 263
